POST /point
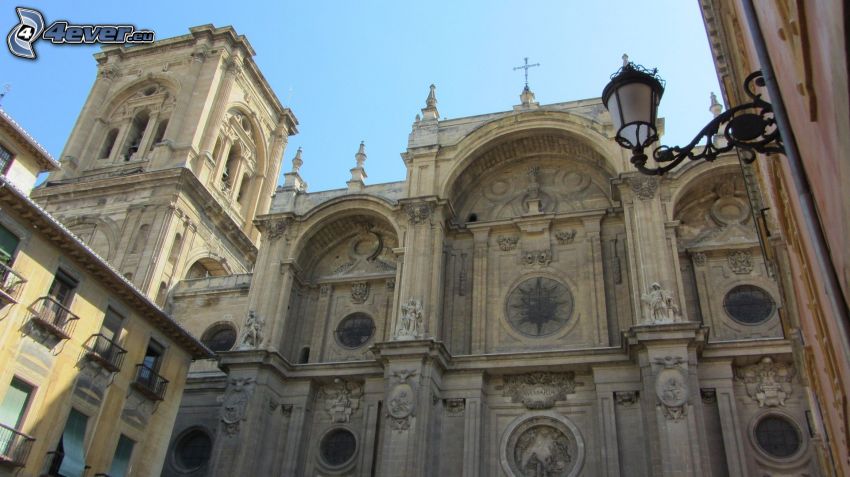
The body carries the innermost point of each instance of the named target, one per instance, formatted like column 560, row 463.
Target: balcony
column 11, row 283
column 149, row 383
column 14, row 447
column 53, row 317
column 105, row 352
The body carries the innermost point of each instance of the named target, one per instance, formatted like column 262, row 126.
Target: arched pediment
column 539, row 131
column 358, row 243
column 564, row 174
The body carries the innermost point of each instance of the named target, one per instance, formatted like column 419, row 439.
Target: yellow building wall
column 54, row 372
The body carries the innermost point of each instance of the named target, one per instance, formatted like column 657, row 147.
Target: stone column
column 77, row 140
column 270, row 300
column 720, row 377
column 412, row 373
column 473, row 429
column 322, row 323
column 649, row 255
column 479, row 290
column 184, row 101
column 666, row 354
column 592, row 229
column 424, row 264
column 297, row 438
column 232, row 68
column 607, row 381
column 147, row 135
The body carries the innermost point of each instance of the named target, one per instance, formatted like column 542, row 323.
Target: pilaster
column 666, row 354
column 412, row 373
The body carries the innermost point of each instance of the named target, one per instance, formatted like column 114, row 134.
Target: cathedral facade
column 523, row 303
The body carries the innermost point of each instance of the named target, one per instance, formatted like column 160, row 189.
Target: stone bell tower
column 175, row 152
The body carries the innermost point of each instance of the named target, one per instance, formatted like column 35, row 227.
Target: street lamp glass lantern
column 632, row 98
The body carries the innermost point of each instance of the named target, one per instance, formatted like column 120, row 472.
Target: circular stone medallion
column 671, row 388
column 542, row 445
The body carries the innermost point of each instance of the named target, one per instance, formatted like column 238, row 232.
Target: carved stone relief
column 542, row 445
column 455, row 407
column 767, row 382
column 410, row 323
column 698, row 259
column 367, row 251
column 342, row 399
column 741, row 262
column 539, row 390
column 625, row 398
column 507, row 243
column 644, row 187
column 709, row 396
column 276, row 228
column 537, row 257
column 401, row 401
column 565, row 236
column 519, row 189
column 359, row 292
column 235, row 403
column 419, row 213
column 671, row 388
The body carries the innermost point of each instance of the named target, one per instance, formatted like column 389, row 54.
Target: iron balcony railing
column 11, row 283
column 53, row 464
column 53, row 317
column 14, row 447
column 149, row 383
column 105, row 352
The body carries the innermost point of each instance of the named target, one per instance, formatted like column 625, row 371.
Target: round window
column 355, row 330
column 539, row 306
column 338, row 447
column 193, row 450
column 220, row 337
column 777, row 436
column 748, row 304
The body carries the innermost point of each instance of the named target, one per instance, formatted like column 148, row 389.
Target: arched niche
column 206, row 267
column 346, row 265
column 348, row 246
column 713, row 210
column 504, row 178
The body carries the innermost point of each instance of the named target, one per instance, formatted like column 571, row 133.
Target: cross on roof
column 525, row 67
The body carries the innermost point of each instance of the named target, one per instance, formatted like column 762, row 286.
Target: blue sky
column 360, row 70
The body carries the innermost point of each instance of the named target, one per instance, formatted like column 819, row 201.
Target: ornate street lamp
column 632, row 98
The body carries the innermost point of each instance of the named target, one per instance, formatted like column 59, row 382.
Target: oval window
column 749, row 304
column 193, row 450
column 777, row 437
column 338, row 447
column 355, row 330
column 219, row 337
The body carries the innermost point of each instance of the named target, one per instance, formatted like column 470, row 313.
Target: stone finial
column 431, row 101
column 297, row 162
column 625, row 59
column 360, row 157
column 715, row 107
column 430, row 109
column 358, row 173
column 527, row 97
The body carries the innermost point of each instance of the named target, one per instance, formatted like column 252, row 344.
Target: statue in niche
column 252, row 337
column 410, row 323
column 662, row 307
